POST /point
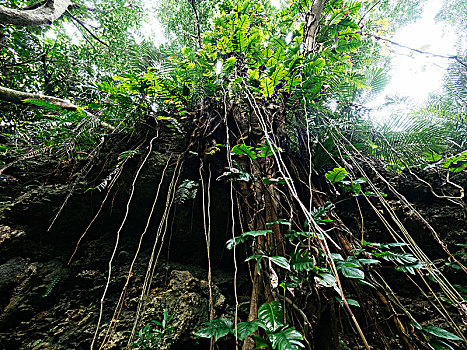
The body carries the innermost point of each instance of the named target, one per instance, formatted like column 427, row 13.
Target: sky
column 415, row 75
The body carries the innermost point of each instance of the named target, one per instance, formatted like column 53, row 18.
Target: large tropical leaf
column 336, row 174
column 272, row 315
column 267, row 87
column 245, row 329
column 216, row 328
column 287, row 339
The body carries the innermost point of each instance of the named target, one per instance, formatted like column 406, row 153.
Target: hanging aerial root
column 206, row 192
column 289, row 182
column 445, row 285
column 117, row 241
column 230, row 163
column 121, row 300
column 159, row 240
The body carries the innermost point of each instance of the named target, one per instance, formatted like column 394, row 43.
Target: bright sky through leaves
column 412, row 74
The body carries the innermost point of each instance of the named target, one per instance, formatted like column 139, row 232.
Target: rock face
column 186, row 300
column 46, row 303
column 47, row 307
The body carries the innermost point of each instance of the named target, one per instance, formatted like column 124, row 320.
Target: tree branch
column 45, row 14
column 367, row 12
column 456, row 58
column 198, row 27
column 82, row 25
column 18, row 97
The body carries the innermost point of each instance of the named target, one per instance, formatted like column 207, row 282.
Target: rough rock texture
column 47, row 304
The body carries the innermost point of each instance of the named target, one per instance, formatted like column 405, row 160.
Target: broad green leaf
column 244, row 149
column 267, row 87
column 326, row 279
column 260, row 343
column 441, row 333
column 265, row 150
column 272, row 315
column 216, row 328
column 279, row 221
column 301, row 261
column 279, row 74
column 253, row 74
column 352, row 272
column 287, row 339
column 336, row 174
column 350, row 301
column 437, row 344
column 254, row 257
column 280, row 261
column 256, row 233
column 368, row 261
column 243, row 23
column 432, row 156
column 270, row 180
column 234, row 241
column 242, row 41
column 245, row 329
column 337, row 257
column 229, row 65
column 43, row 104
column 345, row 46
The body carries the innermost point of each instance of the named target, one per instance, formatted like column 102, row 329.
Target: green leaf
column 416, row 325
column 368, row 261
column 256, row 233
column 216, row 328
column 365, row 283
column 260, row 343
column 352, row 272
column 337, row 257
column 234, row 241
column 253, row 74
column 267, row 87
column 254, row 257
column 432, row 156
column 43, row 104
column 287, row 339
column 279, row 221
column 440, row 333
column 345, row 46
column 350, row 301
column 229, row 66
column 279, row 74
column 245, row 329
column 318, row 213
column 270, row 181
column 280, row 261
column 375, row 194
column 265, row 150
column 437, row 344
column 301, row 261
column 244, row 150
column 327, row 279
column 272, row 315
column 336, row 174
